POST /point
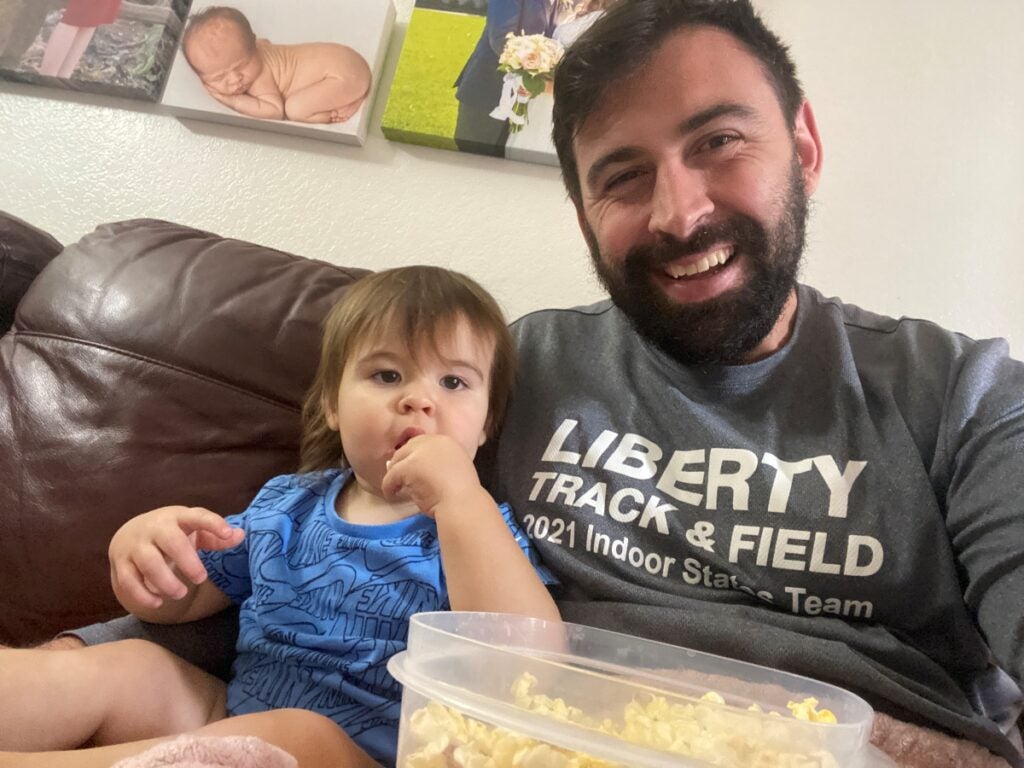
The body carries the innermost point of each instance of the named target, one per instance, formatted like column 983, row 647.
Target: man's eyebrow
column 701, row 119
column 691, row 124
column 620, row 155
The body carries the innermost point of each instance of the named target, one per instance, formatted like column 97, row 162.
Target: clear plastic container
column 490, row 690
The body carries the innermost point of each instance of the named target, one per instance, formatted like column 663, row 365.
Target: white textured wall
column 920, row 212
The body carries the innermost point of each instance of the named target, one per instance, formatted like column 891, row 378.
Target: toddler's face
column 387, row 396
column 219, row 55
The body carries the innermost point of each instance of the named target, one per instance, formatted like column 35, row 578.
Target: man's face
column 694, row 199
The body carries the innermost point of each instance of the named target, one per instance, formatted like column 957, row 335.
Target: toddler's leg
column 103, row 694
column 314, row 741
column 332, row 100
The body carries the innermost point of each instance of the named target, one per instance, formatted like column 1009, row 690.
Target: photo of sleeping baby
column 259, row 64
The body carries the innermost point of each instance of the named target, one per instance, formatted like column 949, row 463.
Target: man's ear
column 808, row 147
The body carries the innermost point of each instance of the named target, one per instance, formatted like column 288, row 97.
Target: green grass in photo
column 421, row 106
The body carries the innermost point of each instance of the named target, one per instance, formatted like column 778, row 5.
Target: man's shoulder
column 558, row 323
column 906, row 348
column 866, row 328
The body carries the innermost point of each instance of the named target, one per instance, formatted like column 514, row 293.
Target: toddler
column 306, row 83
column 386, row 518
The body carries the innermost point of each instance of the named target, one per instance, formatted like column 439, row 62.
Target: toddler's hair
column 218, row 13
column 421, row 305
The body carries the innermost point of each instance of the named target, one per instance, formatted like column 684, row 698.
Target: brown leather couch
column 148, row 364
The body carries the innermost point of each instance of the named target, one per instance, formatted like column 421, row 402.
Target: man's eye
column 719, row 141
column 387, row 377
column 622, row 178
column 453, row 382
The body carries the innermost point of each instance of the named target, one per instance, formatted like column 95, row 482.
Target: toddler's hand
column 152, row 553
column 429, row 470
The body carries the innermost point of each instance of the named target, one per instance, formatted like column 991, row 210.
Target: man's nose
column 679, row 202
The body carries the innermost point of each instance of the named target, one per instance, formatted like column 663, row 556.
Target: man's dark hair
column 628, row 35
column 218, row 13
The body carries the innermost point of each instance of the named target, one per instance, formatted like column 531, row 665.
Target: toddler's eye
column 387, row 377
column 453, row 382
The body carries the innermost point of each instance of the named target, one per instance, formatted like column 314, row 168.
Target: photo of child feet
column 255, row 63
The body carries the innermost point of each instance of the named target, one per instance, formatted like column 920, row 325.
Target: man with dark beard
column 721, row 458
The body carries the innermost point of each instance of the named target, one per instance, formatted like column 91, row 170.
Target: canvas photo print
column 477, row 76
column 113, row 47
column 265, row 64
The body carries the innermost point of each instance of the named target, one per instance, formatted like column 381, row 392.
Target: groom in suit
column 478, row 87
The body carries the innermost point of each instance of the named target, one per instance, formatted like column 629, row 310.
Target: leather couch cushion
column 151, row 364
column 24, row 251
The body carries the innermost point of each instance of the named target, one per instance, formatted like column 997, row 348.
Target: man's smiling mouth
column 705, row 263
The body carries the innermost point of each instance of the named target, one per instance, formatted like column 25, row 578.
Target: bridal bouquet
column 528, row 62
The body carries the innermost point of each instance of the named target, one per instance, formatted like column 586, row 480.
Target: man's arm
column 985, row 497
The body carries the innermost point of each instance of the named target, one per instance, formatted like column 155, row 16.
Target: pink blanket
column 913, row 746
column 211, row 752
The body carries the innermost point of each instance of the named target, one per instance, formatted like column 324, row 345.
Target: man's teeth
column 705, row 263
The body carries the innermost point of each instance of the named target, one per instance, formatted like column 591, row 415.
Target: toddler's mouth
column 407, row 434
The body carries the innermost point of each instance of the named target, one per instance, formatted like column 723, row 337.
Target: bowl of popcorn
column 489, row 690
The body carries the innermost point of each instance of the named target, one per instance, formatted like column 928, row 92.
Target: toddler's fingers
column 215, row 541
column 179, row 551
column 393, row 481
column 154, row 569
column 132, row 583
column 208, row 531
column 199, row 520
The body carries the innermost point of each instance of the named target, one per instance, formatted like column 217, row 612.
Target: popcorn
column 808, row 710
column 704, row 730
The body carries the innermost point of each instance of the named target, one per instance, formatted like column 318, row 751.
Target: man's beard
column 725, row 329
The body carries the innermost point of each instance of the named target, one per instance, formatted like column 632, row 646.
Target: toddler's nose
column 413, row 402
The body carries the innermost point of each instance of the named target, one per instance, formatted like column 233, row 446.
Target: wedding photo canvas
column 477, row 76
column 113, row 47
column 310, row 70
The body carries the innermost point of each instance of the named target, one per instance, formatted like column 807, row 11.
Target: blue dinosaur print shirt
column 325, row 603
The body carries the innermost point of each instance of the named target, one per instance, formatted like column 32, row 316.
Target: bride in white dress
column 533, row 143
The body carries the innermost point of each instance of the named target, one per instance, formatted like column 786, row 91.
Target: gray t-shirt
column 850, row 508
